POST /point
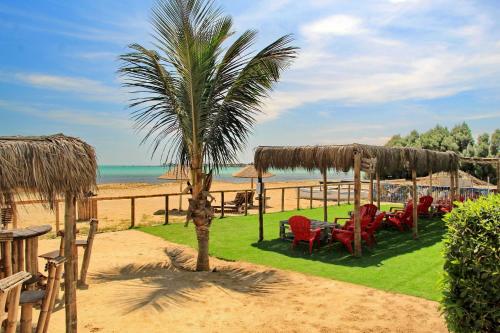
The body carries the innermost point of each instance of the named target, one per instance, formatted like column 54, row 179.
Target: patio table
column 326, row 228
column 25, row 258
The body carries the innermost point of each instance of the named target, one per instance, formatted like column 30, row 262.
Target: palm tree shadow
column 171, row 283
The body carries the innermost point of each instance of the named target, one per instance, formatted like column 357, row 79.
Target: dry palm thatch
column 390, row 160
column 176, row 173
column 250, row 172
column 46, row 167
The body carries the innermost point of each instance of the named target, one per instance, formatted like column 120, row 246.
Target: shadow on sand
column 173, row 282
column 390, row 243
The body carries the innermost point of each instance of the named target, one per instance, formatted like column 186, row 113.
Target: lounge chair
column 238, row 204
column 367, row 214
column 403, row 219
column 424, row 203
column 301, row 229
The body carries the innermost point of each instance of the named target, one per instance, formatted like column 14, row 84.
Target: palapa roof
column 443, row 179
column 176, row 173
column 250, row 172
column 390, row 160
column 46, row 167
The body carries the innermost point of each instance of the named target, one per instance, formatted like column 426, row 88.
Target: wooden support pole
column 282, row 199
column 370, row 192
column 132, row 213
column 265, row 201
column 311, row 197
column 349, row 194
column 415, row 203
column 338, row 195
column 430, row 182
column 377, row 176
column 457, row 184
column 180, row 196
column 167, row 208
column 452, row 187
column 69, row 264
column 246, row 202
column 82, row 283
column 325, row 195
column 298, row 198
column 357, row 204
column 261, row 212
column 58, row 222
column 221, row 204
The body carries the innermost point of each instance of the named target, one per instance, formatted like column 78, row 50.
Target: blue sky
column 366, row 69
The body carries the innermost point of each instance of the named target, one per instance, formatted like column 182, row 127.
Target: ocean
column 149, row 174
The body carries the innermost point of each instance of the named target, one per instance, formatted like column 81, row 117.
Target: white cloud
column 336, row 25
column 83, row 87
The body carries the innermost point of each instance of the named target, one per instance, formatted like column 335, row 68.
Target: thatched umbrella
column 250, row 172
column 177, row 173
column 48, row 167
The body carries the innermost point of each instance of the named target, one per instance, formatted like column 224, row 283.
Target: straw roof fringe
column 390, row 160
column 46, row 167
column 176, row 173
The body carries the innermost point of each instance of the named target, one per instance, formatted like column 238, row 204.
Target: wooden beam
column 310, row 197
column 298, row 198
column 325, row 195
column 166, row 209
column 261, row 215
column 452, row 187
column 415, row 203
column 457, row 184
column 349, row 194
column 282, row 199
column 378, row 190
column 132, row 213
column 338, row 195
column 370, row 192
column 357, row 204
column 221, row 204
column 69, row 265
column 246, row 200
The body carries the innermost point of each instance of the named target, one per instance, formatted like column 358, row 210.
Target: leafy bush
column 471, row 301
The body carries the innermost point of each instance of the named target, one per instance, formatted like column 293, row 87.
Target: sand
column 115, row 214
column 141, row 283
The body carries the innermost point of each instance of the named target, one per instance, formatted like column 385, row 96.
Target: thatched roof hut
column 390, row 160
column 176, row 173
column 46, row 167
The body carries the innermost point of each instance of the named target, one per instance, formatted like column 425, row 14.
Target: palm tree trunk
column 200, row 219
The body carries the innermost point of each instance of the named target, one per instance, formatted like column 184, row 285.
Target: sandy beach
column 141, row 283
column 115, row 214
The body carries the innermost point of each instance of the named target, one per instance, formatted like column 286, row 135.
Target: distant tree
column 482, row 148
column 462, row 135
column 396, row 141
column 495, row 143
column 436, row 139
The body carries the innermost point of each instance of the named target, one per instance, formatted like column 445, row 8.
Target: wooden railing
column 222, row 193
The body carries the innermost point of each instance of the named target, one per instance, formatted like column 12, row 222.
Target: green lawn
column 397, row 263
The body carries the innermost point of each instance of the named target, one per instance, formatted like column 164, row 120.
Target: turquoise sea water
column 149, row 174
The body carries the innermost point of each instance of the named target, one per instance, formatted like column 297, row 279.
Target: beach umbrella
column 250, row 172
column 177, row 173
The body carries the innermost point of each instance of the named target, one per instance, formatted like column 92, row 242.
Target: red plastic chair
column 346, row 237
column 424, row 203
column 402, row 219
column 369, row 233
column 367, row 213
column 301, row 229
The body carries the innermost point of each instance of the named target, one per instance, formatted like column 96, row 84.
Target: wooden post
column 58, row 227
column 338, row 195
column 261, row 212
column 246, row 202
column 357, row 204
column 282, row 199
column 370, row 192
column 298, row 198
column 180, row 196
column 452, row 187
column 349, row 194
column 221, row 204
column 325, row 195
column 311, row 197
column 265, row 201
column 86, row 255
column 377, row 176
column 430, row 182
column 69, row 264
column 27, row 309
column 457, row 184
column 415, row 203
column 166, row 209
column 132, row 213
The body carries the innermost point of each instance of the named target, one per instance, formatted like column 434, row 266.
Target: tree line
column 459, row 139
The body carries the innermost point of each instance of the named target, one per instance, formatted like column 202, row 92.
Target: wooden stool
column 86, row 244
column 10, row 290
column 48, row 296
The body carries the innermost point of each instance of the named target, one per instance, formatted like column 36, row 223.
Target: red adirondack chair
column 402, row 219
column 424, row 203
column 369, row 233
column 301, row 229
column 367, row 213
column 346, row 237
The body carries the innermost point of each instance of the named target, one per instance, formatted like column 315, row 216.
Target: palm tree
column 197, row 97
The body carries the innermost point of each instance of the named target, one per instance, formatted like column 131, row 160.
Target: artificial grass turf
column 396, row 263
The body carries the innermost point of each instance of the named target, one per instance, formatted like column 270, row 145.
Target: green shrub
column 471, row 301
